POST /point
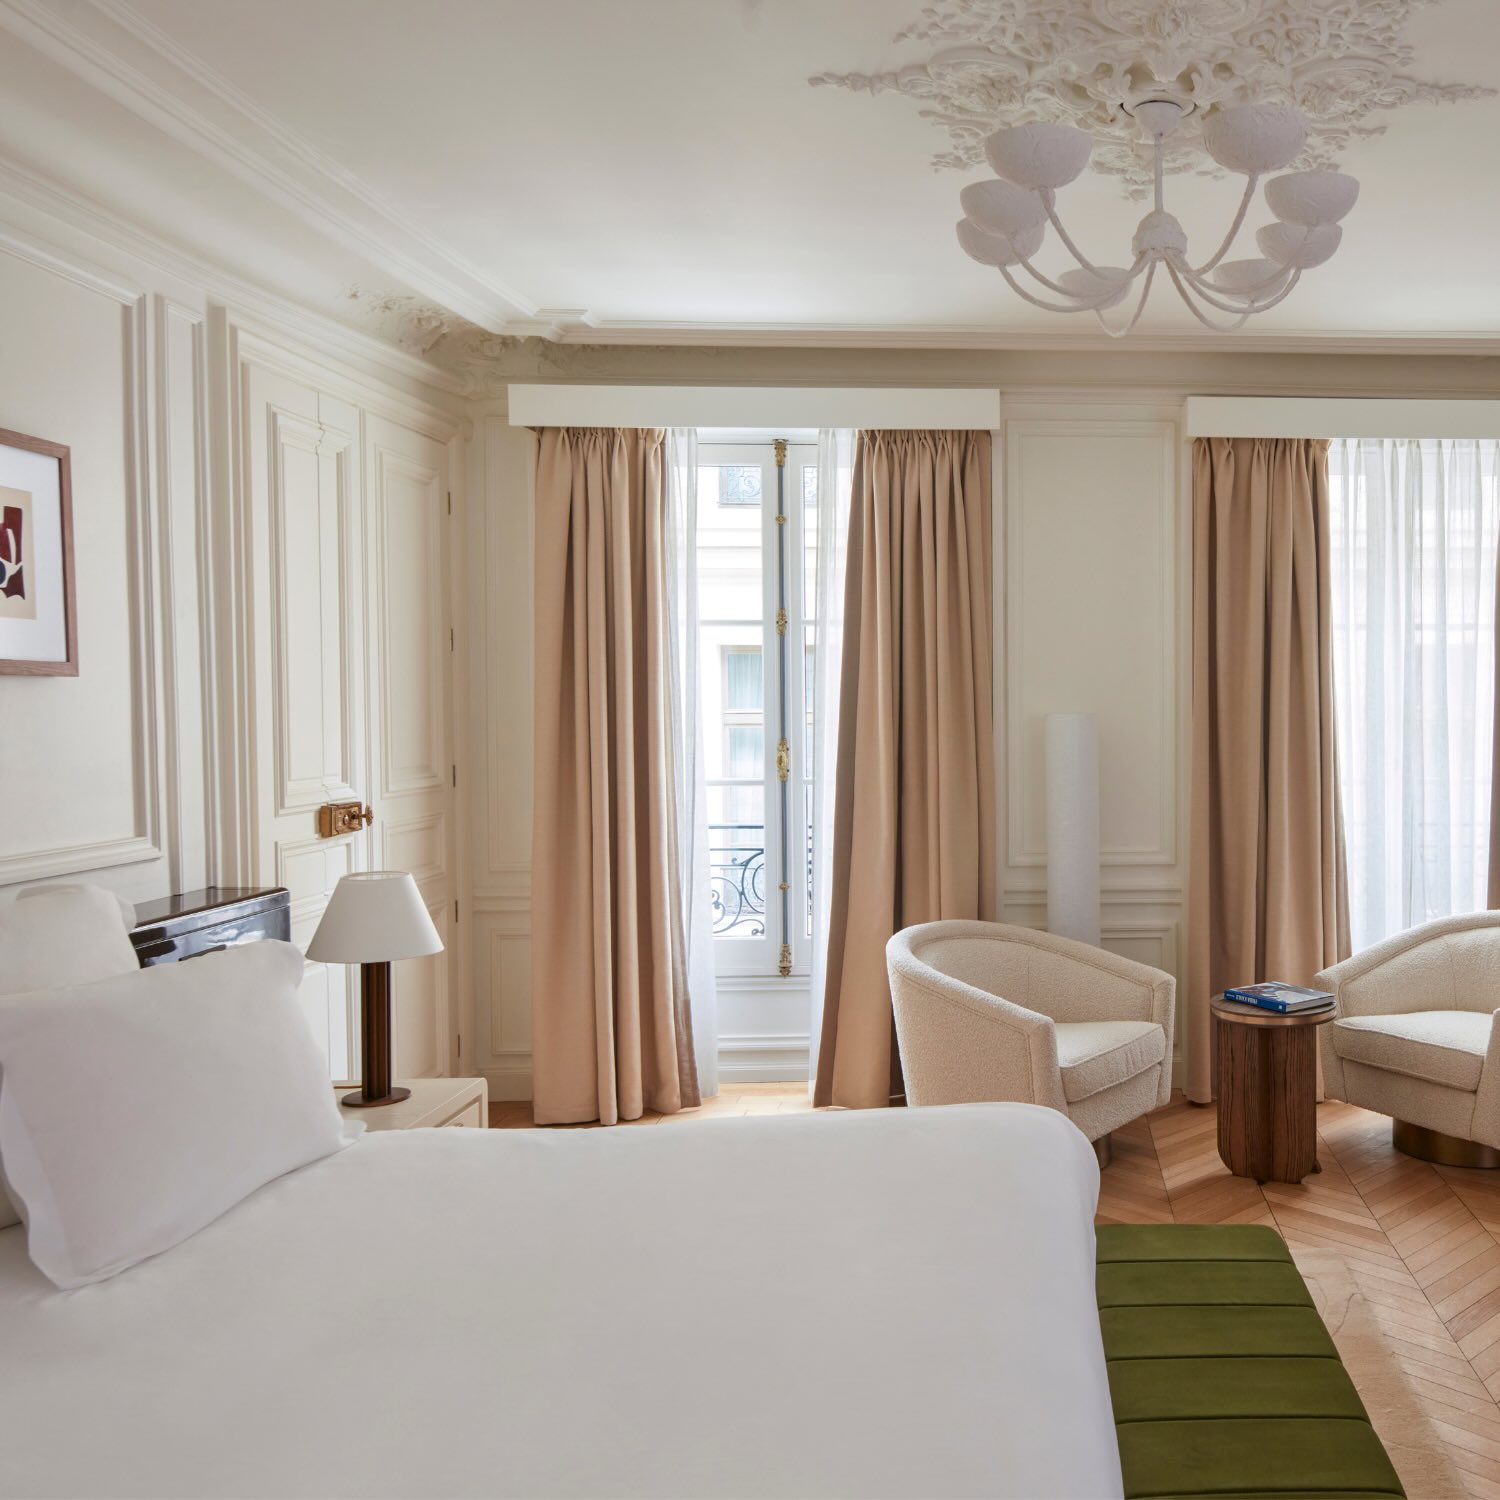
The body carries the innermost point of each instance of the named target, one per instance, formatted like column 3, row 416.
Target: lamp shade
column 999, row 207
column 1251, row 280
column 1298, row 248
column 1039, row 156
column 999, row 249
column 373, row 918
column 1114, row 281
column 1312, row 198
column 1254, row 137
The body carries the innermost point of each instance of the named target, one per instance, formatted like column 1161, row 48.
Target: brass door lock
column 336, row 818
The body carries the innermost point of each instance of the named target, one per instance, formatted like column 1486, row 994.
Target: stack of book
column 1285, row 999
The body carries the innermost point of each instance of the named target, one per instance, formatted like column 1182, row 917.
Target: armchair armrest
column 961, row 1045
column 1486, row 1126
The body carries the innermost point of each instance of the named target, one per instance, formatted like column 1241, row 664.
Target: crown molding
column 79, row 212
column 974, row 336
column 229, row 129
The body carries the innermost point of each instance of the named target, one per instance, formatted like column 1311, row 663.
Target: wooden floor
column 1422, row 1242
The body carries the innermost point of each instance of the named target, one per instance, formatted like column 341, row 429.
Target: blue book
column 1273, row 995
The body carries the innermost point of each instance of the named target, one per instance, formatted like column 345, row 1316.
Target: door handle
column 338, row 818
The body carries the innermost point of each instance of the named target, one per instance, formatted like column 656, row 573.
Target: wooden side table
column 1268, row 1090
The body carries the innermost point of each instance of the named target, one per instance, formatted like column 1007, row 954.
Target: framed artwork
column 38, row 611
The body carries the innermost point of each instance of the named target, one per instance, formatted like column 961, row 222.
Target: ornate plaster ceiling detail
column 1073, row 62
column 482, row 359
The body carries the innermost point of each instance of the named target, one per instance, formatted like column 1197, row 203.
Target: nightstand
column 433, row 1102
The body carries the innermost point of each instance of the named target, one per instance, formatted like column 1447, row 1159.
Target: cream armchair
column 1415, row 1037
column 986, row 1012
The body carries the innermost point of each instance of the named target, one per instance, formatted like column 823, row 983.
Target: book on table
column 1286, row 999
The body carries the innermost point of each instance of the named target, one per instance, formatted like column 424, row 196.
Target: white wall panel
column 1096, row 619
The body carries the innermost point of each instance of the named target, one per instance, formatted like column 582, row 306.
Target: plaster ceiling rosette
column 1343, row 63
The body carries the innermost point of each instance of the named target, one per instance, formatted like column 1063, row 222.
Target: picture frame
column 38, row 602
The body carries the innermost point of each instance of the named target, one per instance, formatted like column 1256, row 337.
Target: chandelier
column 1006, row 218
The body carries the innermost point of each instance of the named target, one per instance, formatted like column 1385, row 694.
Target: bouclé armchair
column 991, row 1012
column 1416, row 1037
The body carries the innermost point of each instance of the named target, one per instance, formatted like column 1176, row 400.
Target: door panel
column 302, row 470
column 410, row 775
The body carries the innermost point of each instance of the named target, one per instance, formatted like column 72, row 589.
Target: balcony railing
column 737, row 878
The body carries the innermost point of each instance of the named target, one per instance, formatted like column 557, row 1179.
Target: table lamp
column 371, row 919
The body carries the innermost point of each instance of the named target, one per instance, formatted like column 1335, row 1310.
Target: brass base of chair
column 1103, row 1150
column 1445, row 1150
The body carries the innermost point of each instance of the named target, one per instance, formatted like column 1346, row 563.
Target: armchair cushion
column 1096, row 1055
column 1442, row 1046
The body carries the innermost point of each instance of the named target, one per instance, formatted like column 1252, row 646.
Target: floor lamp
column 370, row 920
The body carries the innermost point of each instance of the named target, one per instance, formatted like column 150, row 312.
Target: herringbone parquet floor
column 1422, row 1242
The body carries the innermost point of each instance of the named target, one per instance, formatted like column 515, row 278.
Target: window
column 751, row 592
column 1414, row 528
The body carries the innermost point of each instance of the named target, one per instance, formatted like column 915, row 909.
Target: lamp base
column 357, row 1099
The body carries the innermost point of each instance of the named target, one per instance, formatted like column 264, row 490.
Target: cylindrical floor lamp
column 370, row 920
column 1072, row 746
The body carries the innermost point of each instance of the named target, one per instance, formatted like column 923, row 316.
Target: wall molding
column 1021, row 854
column 153, row 776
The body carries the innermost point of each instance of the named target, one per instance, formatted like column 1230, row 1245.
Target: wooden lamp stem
column 375, row 1040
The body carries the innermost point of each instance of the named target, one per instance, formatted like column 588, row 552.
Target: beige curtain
column 1267, row 898
column 612, row 1035
column 914, row 814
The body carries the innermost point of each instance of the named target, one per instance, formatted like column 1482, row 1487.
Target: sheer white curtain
column 687, row 735
column 835, row 474
column 1415, row 527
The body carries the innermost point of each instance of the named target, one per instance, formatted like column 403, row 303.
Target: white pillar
column 1072, row 753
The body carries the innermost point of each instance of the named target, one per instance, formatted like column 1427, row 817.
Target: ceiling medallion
column 1073, row 62
column 1145, row 88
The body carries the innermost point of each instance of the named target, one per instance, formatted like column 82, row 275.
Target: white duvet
column 891, row 1303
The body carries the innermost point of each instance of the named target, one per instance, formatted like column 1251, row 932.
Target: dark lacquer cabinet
column 195, row 922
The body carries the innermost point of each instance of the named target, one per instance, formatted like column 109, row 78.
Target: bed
column 893, row 1303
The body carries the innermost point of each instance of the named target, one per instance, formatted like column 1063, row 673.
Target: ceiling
column 660, row 171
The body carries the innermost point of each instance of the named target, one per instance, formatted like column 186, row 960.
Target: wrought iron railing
column 737, row 878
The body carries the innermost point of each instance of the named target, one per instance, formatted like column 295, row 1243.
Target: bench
column 1223, row 1377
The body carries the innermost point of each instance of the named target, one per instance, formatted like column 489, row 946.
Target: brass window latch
column 338, row 818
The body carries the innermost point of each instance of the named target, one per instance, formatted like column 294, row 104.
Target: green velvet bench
column 1223, row 1377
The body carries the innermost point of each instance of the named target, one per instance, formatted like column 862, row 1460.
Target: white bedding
column 892, row 1303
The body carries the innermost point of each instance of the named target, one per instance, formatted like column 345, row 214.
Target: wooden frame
column 68, row 667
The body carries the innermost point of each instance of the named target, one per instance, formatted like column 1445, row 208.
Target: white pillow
column 136, row 1110
column 54, row 935
column 57, row 935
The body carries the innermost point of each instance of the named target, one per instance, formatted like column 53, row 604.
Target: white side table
column 434, row 1102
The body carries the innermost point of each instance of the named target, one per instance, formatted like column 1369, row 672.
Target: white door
column 410, row 770
column 306, row 684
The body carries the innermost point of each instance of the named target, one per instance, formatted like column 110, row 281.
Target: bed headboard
column 196, row 922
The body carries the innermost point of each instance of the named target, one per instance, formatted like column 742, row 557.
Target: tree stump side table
column 1268, row 1090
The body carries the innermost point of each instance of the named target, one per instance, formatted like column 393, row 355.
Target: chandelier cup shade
column 1297, row 247
column 1312, row 199
column 1039, row 156
column 1111, row 283
column 999, row 207
column 1005, row 221
column 1251, row 279
column 999, row 250
column 1255, row 138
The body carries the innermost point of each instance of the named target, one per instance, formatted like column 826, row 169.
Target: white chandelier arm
column 1207, row 293
column 1087, row 304
column 1140, row 307
column 1198, row 312
column 1208, row 289
column 1049, row 200
column 1234, row 228
column 1244, row 316
column 1062, row 291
